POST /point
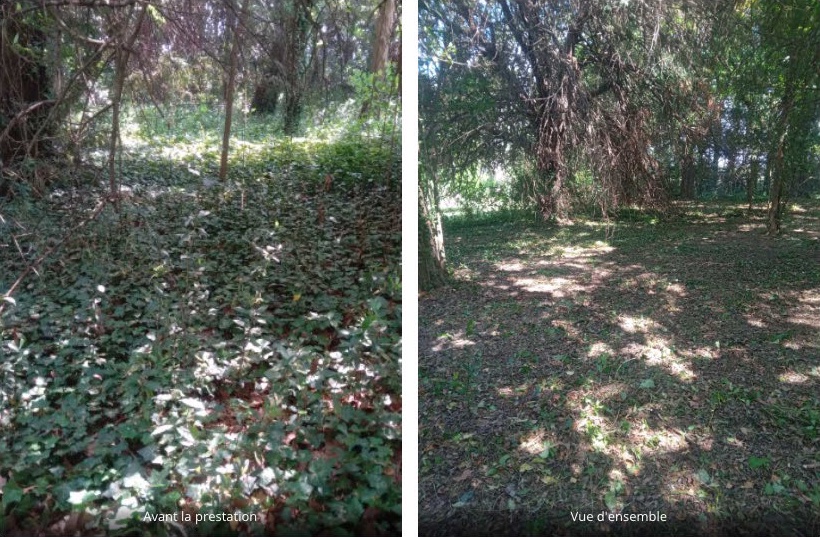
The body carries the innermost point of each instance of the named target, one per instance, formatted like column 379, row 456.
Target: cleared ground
column 666, row 366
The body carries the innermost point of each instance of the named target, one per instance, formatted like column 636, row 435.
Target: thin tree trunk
column 717, row 151
column 687, row 171
column 229, row 91
column 119, row 79
column 432, row 268
column 776, row 192
column 778, row 169
column 751, row 182
column 121, row 57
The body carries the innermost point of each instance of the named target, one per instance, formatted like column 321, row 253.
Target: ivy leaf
column 647, row 383
column 193, row 403
column 758, row 462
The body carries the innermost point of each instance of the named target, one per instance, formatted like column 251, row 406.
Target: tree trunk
column 384, row 32
column 687, row 175
column 296, row 28
column 717, row 151
column 731, row 168
column 432, row 268
column 230, row 85
column 778, row 168
column 120, row 62
column 121, row 56
column 776, row 191
column 265, row 96
column 24, row 88
column 751, row 182
column 381, row 47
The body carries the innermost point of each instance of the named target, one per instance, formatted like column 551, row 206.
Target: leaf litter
column 655, row 374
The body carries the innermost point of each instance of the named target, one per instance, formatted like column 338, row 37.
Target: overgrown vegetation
column 564, row 109
column 200, row 288
column 198, row 347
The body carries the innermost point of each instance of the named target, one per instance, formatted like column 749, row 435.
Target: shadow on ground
column 667, row 368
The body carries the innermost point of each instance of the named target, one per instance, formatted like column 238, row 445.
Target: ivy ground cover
column 200, row 358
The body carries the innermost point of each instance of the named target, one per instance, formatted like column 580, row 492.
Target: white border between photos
column 409, row 257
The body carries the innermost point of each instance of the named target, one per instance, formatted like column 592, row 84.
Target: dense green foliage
column 204, row 347
column 600, row 104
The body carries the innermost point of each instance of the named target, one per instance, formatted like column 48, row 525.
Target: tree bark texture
column 432, row 268
column 384, row 33
column 381, row 47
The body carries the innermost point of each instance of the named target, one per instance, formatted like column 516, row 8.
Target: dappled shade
column 566, row 371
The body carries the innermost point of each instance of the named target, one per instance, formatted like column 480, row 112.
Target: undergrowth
column 202, row 347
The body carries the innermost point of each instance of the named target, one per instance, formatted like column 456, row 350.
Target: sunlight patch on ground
column 557, row 287
column 580, row 252
column 594, row 428
column 536, row 442
column 634, row 325
column 755, row 321
column 793, row 377
column 513, row 266
column 660, row 441
column 242, row 146
column 599, row 348
column 660, row 344
column 658, row 352
column 807, row 233
column 808, row 310
column 747, row 227
column 465, row 273
column 455, row 342
column 513, row 391
column 680, row 370
column 635, row 350
column 608, row 391
column 181, row 151
column 600, row 274
column 676, row 289
column 628, row 460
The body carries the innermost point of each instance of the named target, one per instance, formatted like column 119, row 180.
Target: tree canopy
column 595, row 102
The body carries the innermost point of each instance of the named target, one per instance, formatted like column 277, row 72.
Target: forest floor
column 660, row 366
column 197, row 348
